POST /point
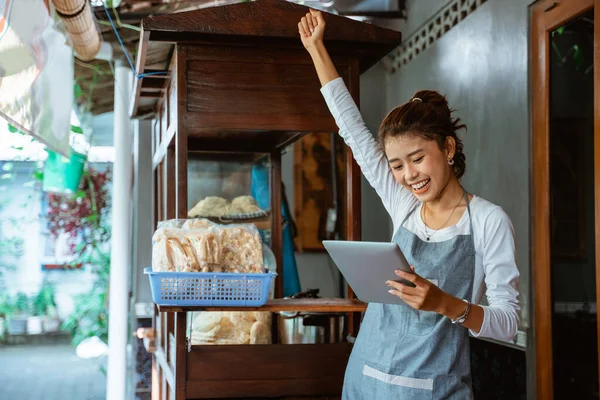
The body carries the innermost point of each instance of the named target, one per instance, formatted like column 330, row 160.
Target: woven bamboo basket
column 87, row 44
column 69, row 7
column 79, row 22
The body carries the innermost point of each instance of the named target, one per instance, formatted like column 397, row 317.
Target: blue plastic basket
column 209, row 289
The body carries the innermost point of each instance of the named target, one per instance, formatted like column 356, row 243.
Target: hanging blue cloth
column 260, row 191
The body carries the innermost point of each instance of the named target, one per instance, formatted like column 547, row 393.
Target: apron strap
column 468, row 210
column 409, row 214
column 470, row 218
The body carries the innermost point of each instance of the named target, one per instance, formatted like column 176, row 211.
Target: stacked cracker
column 203, row 246
column 231, row 328
column 214, row 206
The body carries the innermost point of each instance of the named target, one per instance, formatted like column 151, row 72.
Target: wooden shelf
column 312, row 305
column 266, row 371
column 236, row 92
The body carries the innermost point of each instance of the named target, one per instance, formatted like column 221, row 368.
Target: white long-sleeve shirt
column 496, row 271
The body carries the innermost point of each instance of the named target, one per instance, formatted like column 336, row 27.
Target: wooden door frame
column 547, row 15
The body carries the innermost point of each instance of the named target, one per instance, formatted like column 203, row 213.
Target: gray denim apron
column 402, row 353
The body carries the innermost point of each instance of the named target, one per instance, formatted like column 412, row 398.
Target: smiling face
column 420, row 165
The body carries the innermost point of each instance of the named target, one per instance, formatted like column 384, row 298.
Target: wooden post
column 353, row 192
column 181, row 209
column 276, row 219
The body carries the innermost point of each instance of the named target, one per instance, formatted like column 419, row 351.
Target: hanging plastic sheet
column 36, row 73
column 261, row 192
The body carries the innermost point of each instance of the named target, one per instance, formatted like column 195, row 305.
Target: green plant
column 10, row 246
column 11, row 306
column 22, row 304
column 84, row 218
column 6, row 306
column 89, row 318
column 43, row 301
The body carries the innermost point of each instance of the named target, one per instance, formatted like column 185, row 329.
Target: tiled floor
column 49, row 372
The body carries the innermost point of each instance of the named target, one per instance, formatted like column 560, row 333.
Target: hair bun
column 433, row 121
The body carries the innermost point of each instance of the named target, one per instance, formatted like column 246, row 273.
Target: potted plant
column 5, row 310
column 45, row 306
column 89, row 318
column 17, row 319
column 34, row 321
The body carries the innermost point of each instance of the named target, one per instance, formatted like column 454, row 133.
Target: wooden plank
column 236, row 98
column 167, row 101
column 239, row 142
column 597, row 161
column 293, row 137
column 272, row 22
column 181, row 174
column 162, row 77
column 181, row 134
column 353, row 193
column 232, row 361
column 161, row 359
column 546, row 16
column 263, row 388
column 169, row 332
column 156, row 204
column 249, row 74
column 157, row 376
column 265, row 93
column 172, row 93
column 160, row 197
column 149, row 83
column 541, row 207
column 212, row 51
column 151, row 95
column 285, row 370
column 170, row 176
column 312, row 305
column 162, row 108
column 223, row 122
column 169, row 136
column 159, row 156
column 155, row 133
column 181, row 208
column 258, row 89
column 298, row 194
column 156, row 380
column 139, row 68
column 180, row 371
column 270, row 18
column 277, row 220
column 231, row 143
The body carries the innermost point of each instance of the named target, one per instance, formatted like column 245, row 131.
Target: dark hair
column 426, row 115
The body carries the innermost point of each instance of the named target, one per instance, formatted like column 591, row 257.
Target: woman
column 459, row 245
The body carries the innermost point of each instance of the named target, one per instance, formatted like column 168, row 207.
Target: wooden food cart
column 234, row 82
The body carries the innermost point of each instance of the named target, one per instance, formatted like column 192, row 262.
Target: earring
column 450, row 161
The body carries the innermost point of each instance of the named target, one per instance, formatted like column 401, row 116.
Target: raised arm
column 366, row 150
column 312, row 28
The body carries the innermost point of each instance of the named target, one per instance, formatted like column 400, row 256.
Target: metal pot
column 310, row 328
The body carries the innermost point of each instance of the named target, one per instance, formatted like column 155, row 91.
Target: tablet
column 366, row 266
